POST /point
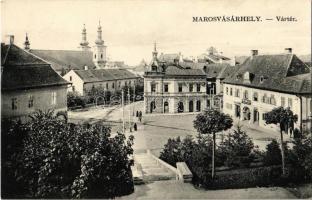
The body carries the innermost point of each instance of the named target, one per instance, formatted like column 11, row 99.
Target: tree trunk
column 213, row 155
column 283, row 155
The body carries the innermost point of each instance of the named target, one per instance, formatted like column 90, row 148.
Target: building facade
column 29, row 84
column 264, row 82
column 106, row 79
column 170, row 88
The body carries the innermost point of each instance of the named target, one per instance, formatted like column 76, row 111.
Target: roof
column 227, row 71
column 99, row 75
column 283, row 72
column 66, row 58
column 215, row 58
column 22, row 70
column 177, row 71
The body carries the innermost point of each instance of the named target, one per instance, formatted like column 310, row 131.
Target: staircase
column 147, row 169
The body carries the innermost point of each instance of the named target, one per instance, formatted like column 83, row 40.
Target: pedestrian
column 135, row 127
column 140, row 116
column 137, row 113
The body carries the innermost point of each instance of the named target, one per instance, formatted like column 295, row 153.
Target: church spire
column 155, row 52
column 26, row 43
column 84, row 44
column 99, row 40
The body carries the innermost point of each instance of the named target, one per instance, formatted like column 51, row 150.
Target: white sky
column 131, row 26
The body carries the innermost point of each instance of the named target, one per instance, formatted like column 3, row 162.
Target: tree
column 237, row 149
column 211, row 122
column 286, row 119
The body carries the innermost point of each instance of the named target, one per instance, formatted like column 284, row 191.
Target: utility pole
column 129, row 109
column 133, row 100
column 123, row 111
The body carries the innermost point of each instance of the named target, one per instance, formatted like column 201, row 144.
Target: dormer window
column 247, row 77
column 154, row 68
column 261, row 79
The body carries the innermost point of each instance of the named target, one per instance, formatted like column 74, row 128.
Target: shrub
column 248, row 177
column 60, row 160
column 236, row 149
column 75, row 100
column 273, row 154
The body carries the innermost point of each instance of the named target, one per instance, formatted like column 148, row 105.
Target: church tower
column 84, row 44
column 26, row 43
column 99, row 52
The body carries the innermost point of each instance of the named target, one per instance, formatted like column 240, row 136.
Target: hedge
column 245, row 178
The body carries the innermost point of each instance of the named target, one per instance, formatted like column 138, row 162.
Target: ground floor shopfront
column 174, row 104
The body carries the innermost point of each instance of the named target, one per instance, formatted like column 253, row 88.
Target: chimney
column 288, row 50
column 11, row 39
column 254, row 52
column 221, row 60
column 86, row 67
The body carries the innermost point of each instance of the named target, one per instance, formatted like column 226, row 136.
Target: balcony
column 246, row 101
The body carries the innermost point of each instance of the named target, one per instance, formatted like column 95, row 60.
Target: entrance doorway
column 256, row 116
column 198, row 106
column 180, row 107
column 191, row 104
column 246, row 113
column 237, row 111
column 152, row 106
column 166, row 107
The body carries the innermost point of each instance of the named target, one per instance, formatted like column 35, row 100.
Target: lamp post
column 123, row 111
column 129, row 109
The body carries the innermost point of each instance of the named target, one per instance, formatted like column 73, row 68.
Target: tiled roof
column 99, row 75
column 22, row 70
column 212, row 57
column 279, row 73
column 227, row 71
column 66, row 59
column 176, row 71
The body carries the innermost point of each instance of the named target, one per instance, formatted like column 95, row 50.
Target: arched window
column 198, row 105
column 255, row 96
column 191, row 104
column 246, row 94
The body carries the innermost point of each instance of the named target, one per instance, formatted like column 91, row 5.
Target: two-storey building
column 264, row 82
column 170, row 88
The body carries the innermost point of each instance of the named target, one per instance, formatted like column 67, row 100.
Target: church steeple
column 99, row 53
column 99, row 40
column 26, row 43
column 84, row 44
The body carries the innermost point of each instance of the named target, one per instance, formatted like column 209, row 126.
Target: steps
column 146, row 169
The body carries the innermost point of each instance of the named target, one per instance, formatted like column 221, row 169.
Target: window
column 113, row 85
column 198, row 87
column 129, row 83
column 261, row 79
column 14, row 103
column 70, row 78
column 255, row 96
column 227, row 90
column 101, row 55
column 74, row 89
column 191, row 87
column 154, row 68
column 119, row 84
column 290, row 102
column 31, row 101
column 180, row 87
column 237, row 93
column 272, row 100
column 283, row 101
column 166, row 89
column 53, row 98
column 231, row 91
column 95, row 56
column 208, row 103
column 153, row 87
column 107, row 86
column 246, row 94
column 264, row 97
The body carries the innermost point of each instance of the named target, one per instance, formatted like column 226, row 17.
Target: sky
column 130, row 27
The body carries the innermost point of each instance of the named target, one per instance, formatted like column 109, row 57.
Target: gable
column 297, row 67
